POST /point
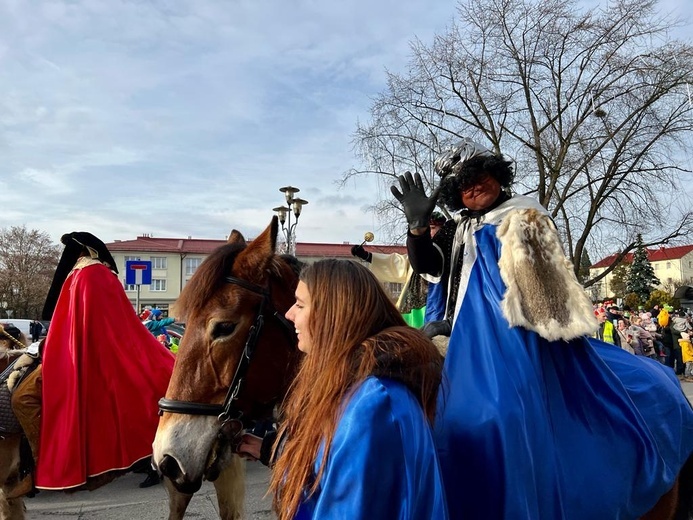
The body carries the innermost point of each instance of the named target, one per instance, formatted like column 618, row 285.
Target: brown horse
column 234, row 364
column 10, row 508
column 237, row 291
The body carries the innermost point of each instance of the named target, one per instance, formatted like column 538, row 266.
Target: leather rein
column 227, row 414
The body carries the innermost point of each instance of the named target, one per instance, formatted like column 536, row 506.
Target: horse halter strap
column 226, row 411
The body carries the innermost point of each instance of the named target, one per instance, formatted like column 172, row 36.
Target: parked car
column 46, row 324
column 25, row 326
column 21, row 324
column 176, row 330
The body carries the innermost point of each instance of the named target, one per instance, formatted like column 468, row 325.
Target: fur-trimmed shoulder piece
column 542, row 293
column 20, row 366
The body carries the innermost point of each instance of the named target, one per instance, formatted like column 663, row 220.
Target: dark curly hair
column 465, row 174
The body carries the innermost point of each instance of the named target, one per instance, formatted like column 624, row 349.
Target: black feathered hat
column 77, row 243
column 12, row 333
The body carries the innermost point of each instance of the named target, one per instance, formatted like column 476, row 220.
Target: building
column 175, row 260
column 672, row 265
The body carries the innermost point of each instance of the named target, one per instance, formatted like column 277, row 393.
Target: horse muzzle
column 170, row 469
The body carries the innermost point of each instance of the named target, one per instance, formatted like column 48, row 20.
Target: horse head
column 235, row 361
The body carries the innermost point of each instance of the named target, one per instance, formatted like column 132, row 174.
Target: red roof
column 653, row 255
column 203, row 246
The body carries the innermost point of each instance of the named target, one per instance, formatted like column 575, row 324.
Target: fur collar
column 542, row 293
column 20, row 366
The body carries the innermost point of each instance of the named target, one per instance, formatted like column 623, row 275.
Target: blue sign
column 138, row 272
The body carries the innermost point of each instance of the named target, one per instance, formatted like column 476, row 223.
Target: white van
column 23, row 325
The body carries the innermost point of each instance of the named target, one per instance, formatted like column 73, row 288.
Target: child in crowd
column 687, row 354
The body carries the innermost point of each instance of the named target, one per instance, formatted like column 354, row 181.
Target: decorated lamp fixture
column 293, row 205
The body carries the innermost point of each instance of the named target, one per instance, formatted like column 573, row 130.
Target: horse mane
column 293, row 262
column 209, row 277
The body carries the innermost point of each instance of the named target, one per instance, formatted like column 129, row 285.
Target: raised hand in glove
column 437, row 328
column 417, row 205
column 360, row 252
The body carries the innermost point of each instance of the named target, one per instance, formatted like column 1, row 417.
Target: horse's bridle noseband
column 226, row 412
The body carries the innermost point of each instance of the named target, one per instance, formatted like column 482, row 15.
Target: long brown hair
column 356, row 332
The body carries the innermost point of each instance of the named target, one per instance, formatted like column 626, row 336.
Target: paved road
column 688, row 390
column 123, row 500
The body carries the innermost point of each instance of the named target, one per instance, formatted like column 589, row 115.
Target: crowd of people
column 662, row 334
column 377, row 424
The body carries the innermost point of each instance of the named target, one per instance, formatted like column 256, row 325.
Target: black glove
column 417, row 206
column 437, row 328
column 360, row 252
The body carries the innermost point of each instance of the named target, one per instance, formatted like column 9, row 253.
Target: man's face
column 482, row 194
column 434, row 229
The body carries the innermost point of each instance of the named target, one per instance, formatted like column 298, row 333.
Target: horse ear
column 236, row 237
column 255, row 258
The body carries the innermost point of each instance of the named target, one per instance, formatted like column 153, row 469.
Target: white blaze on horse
column 234, row 365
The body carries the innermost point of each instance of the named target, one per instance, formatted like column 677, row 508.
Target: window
column 655, row 266
column 130, row 258
column 163, row 307
column 159, row 262
column 158, row 285
column 668, row 265
column 191, row 265
column 129, row 286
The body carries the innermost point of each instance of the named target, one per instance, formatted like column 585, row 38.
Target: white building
column 672, row 265
column 175, row 260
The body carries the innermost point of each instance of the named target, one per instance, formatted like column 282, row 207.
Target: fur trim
column 20, row 366
column 441, row 342
column 542, row 293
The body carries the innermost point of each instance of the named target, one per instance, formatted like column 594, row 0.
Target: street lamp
column 293, row 205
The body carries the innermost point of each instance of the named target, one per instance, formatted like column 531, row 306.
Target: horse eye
column 224, row 328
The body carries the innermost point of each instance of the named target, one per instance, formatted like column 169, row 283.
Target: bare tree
column 594, row 107
column 28, row 260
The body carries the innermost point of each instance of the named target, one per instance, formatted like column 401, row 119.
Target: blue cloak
column 382, row 462
column 532, row 428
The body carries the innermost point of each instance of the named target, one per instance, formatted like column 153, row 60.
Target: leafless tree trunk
column 595, row 108
column 27, row 262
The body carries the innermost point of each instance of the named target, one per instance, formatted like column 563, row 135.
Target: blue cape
column 529, row 428
column 382, row 462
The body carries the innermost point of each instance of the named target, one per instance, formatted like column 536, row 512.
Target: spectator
column 521, row 377
column 607, row 330
column 36, row 327
column 156, row 324
column 367, row 429
column 678, row 325
column 687, row 356
column 654, row 312
column 625, row 336
column 99, row 403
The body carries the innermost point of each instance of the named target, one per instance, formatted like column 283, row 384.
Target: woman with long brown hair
column 356, row 425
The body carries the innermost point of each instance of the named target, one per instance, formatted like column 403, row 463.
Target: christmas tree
column 641, row 279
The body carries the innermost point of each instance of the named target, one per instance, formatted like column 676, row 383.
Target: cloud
column 186, row 118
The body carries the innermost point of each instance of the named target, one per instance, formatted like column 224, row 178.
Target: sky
column 182, row 119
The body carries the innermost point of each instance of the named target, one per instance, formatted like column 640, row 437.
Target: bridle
column 230, row 417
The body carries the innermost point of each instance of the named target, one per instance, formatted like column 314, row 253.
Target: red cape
column 103, row 373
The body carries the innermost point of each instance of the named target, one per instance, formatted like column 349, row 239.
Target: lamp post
column 293, row 205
